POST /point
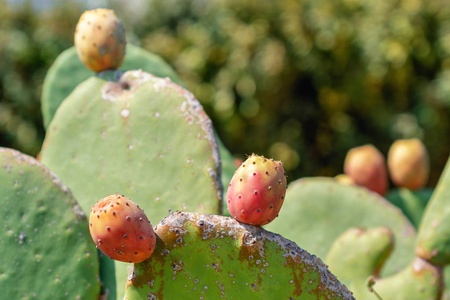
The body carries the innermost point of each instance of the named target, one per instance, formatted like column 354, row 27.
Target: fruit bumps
column 257, row 190
column 100, row 40
column 121, row 230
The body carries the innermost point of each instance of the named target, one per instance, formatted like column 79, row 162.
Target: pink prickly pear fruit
column 121, row 230
column 100, row 40
column 408, row 163
column 256, row 191
column 366, row 166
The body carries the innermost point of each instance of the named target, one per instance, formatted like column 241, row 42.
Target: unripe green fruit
column 100, row 40
column 408, row 163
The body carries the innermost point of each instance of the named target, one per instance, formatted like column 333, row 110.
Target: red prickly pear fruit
column 100, row 40
column 366, row 166
column 408, row 164
column 121, row 230
column 256, row 191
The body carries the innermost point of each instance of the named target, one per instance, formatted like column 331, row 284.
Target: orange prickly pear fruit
column 366, row 166
column 256, row 191
column 121, row 230
column 408, row 163
column 100, row 40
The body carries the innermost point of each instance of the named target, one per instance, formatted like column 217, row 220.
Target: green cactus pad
column 357, row 256
column 201, row 256
column 68, row 71
column 359, row 253
column 317, row 211
column 433, row 241
column 143, row 137
column 419, row 280
column 46, row 249
column 412, row 203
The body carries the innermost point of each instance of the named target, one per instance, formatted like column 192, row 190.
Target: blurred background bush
column 302, row 81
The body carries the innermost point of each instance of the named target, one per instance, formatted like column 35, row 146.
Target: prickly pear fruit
column 256, row 191
column 100, row 40
column 408, row 164
column 121, row 230
column 367, row 167
column 344, row 179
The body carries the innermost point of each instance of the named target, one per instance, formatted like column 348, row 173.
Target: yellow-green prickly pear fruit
column 367, row 167
column 408, row 163
column 100, row 40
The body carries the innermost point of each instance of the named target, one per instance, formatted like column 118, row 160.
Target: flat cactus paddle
column 144, row 137
column 200, row 256
column 433, row 240
column 317, row 211
column 68, row 71
column 46, row 250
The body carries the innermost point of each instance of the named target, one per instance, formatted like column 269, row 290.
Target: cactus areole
column 256, row 191
column 100, row 40
column 121, row 230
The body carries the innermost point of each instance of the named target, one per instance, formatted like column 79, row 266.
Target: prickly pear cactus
column 433, row 241
column 144, row 137
column 46, row 250
column 357, row 256
column 201, row 256
column 412, row 203
column 67, row 72
column 359, row 253
column 318, row 210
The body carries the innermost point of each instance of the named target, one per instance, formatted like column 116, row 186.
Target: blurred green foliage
column 302, row 81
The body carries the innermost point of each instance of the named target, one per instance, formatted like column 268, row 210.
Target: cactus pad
column 356, row 257
column 68, row 71
column 201, row 256
column 318, row 210
column 359, row 253
column 144, row 137
column 433, row 241
column 47, row 252
column 412, row 203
